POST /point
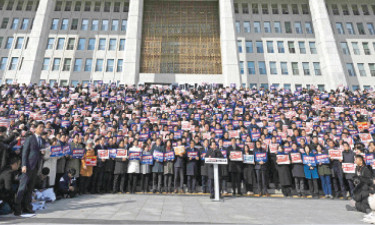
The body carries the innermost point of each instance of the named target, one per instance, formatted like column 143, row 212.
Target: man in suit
column 31, row 160
column 213, row 152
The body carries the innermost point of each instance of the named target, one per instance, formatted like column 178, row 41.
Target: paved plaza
column 164, row 209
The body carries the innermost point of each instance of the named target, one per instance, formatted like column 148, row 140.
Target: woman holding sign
column 146, row 168
column 261, row 159
column 324, row 170
column 298, row 170
column 135, row 154
column 192, row 154
column 248, row 170
column 86, row 170
column 235, row 166
column 283, row 170
column 168, row 166
column 157, row 168
column 348, row 157
column 311, row 173
column 121, row 166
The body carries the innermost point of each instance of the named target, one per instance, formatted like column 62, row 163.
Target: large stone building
column 284, row 43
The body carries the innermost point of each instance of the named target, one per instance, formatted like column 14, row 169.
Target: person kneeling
column 67, row 184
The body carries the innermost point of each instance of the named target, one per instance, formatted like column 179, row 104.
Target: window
column 241, row 67
column 70, row 44
column 280, row 47
column 295, row 10
column 267, row 27
column 67, row 63
column 246, row 26
column 340, row 29
column 236, row 8
column 265, row 9
column 87, row 6
column 309, row 28
column 50, row 43
column 350, row 28
column 110, row 65
column 25, row 24
column 116, row 8
column 77, row 6
column 20, row 5
column 372, row 69
column 350, row 68
column 370, row 27
column 277, row 26
column 119, row 65
column 344, row 47
column 60, row 44
column 238, row 27
column 107, row 6
column 97, row 6
column 3, row 63
column 302, row 47
column 239, row 46
column 122, row 45
column 298, row 27
column 288, row 27
column 112, row 44
column 361, row 28
column 257, row 28
column 19, row 43
column 99, row 65
column 264, row 86
column 356, row 48
column 295, row 69
column 85, row 24
column 77, row 65
column 335, row 10
column 361, row 69
column 29, row 5
column 287, row 86
column 64, row 24
column 355, row 10
column 81, row 44
column 101, row 44
column 355, row 87
column 126, row 7
column 68, row 6
column 291, row 47
column 273, row 69
column 321, row 87
column 91, row 45
column 245, row 8
column 74, row 25
column 284, row 68
column 13, row 63
column 252, row 85
column 114, row 26
column 58, row 6
column 255, row 8
column 88, row 65
column 262, row 68
column 345, row 10
column 306, row 68
column 4, row 23
column 305, row 9
column 9, row 43
column 9, row 81
column 124, row 25
column 249, row 47
column 94, row 25
column 366, row 87
column 366, row 48
column 284, row 9
column 15, row 24
column 105, row 25
column 1, row 41
column 45, row 65
column 275, row 8
column 312, row 47
column 251, row 67
column 365, row 10
column 259, row 45
column 270, row 47
column 55, row 23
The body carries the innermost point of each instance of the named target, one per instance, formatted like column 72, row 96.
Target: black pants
column 178, row 173
column 25, row 189
column 300, row 185
column 362, row 206
column 145, row 180
column 119, row 180
column 107, row 182
column 262, row 183
column 83, row 184
column 57, row 181
column 236, row 182
column 338, row 179
column 168, row 182
column 286, row 190
column 64, row 193
column 313, row 187
column 273, row 174
column 132, row 182
column 157, row 181
column 97, row 179
column 191, row 183
column 249, row 187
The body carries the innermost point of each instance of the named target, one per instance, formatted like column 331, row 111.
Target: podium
column 216, row 162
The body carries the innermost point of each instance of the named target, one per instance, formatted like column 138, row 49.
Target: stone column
column 34, row 54
column 228, row 37
column 330, row 60
column 132, row 57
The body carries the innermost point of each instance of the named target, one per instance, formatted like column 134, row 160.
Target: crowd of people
column 107, row 138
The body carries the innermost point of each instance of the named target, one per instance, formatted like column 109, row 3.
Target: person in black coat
column 213, row 152
column 203, row 166
column 67, row 184
column 285, row 177
column 235, row 168
column 224, row 167
column 348, row 157
column 98, row 173
column 192, row 166
column 179, row 166
column 261, row 171
column 31, row 161
column 7, row 181
column 249, row 172
column 121, row 165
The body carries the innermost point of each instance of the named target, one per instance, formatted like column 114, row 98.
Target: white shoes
column 369, row 218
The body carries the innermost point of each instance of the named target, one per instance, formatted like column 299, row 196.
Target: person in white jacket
column 134, row 166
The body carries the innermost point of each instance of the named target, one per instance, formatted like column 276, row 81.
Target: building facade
column 285, row 43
